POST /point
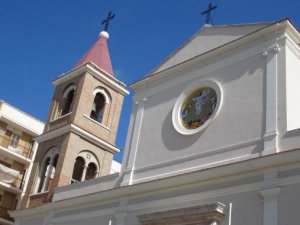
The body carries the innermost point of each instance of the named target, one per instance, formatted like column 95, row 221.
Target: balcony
column 22, row 150
column 10, row 177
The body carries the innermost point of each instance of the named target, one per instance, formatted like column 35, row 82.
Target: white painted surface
column 115, row 167
column 292, row 89
column 86, row 187
column 206, row 39
column 161, row 149
column 270, row 197
column 271, row 132
column 21, row 120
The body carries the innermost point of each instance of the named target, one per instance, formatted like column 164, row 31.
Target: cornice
column 92, row 69
column 276, row 161
column 77, row 130
column 199, row 214
column 278, row 27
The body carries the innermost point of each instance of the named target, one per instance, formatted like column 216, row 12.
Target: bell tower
column 78, row 142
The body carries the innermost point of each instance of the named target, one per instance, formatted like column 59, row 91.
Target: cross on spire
column 106, row 21
column 207, row 12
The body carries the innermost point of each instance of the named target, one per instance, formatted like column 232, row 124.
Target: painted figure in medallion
column 198, row 107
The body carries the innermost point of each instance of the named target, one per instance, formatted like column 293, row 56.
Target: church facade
column 213, row 139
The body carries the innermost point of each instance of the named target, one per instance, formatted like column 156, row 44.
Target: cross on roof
column 207, row 12
column 106, row 21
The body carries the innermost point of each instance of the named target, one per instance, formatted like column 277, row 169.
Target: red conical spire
column 98, row 54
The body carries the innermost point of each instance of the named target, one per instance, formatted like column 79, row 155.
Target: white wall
column 292, row 89
column 235, row 133
column 288, row 205
column 21, row 120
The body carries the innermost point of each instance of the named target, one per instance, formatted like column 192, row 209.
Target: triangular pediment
column 208, row 38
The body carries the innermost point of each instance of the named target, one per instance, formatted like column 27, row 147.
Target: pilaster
column 271, row 133
column 270, row 205
column 133, row 147
column 120, row 218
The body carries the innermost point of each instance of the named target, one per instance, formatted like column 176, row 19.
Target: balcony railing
column 23, row 150
column 5, row 215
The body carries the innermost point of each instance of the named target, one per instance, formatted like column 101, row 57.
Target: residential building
column 17, row 150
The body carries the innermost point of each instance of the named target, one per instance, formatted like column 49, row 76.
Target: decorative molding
column 136, row 130
column 53, row 134
column 272, row 49
column 236, row 44
column 220, row 174
column 206, row 214
column 270, row 193
column 70, row 88
column 104, row 93
column 94, row 139
column 293, row 47
column 77, row 130
column 95, row 71
column 271, row 133
column 201, row 155
column 197, row 85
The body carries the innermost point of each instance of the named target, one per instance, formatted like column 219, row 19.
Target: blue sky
column 41, row 39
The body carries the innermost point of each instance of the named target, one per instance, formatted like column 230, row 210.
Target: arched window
column 43, row 174
column 47, row 170
column 91, row 171
column 78, row 169
column 98, row 108
column 86, row 167
column 68, row 99
column 99, row 105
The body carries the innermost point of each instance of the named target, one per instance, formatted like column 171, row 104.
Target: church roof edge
column 153, row 72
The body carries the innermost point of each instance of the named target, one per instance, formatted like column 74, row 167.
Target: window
column 78, row 170
column 86, row 167
column 98, row 108
column 196, row 107
column 101, row 101
column 47, row 170
column 14, row 140
column 68, row 103
column 68, row 99
column 91, row 171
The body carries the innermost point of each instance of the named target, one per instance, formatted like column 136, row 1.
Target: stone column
column 84, row 173
column 47, row 177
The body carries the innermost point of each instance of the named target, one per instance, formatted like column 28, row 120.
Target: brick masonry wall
column 58, row 103
column 111, row 114
column 70, row 144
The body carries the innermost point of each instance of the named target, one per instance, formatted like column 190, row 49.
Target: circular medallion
column 196, row 107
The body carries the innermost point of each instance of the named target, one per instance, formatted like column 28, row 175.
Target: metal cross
column 106, row 21
column 207, row 12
